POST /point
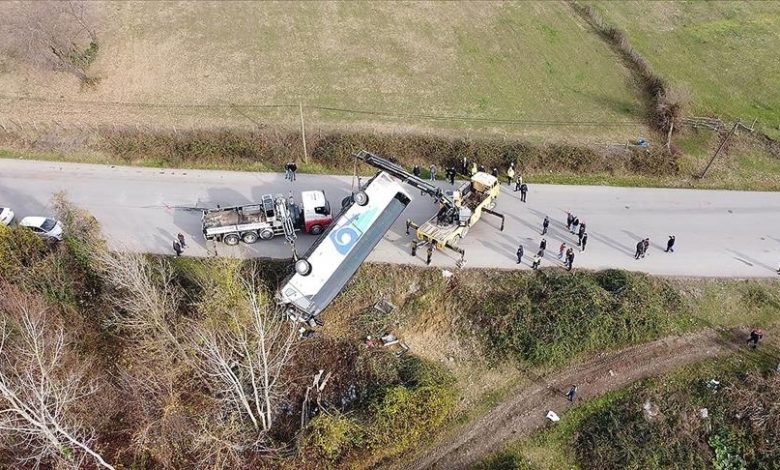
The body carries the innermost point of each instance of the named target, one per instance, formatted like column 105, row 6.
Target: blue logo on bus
column 345, row 237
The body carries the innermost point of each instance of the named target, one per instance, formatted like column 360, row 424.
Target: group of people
column 290, row 168
column 575, row 227
column 178, row 244
column 643, row 245
column 565, row 252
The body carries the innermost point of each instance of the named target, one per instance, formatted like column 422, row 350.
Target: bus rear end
column 330, row 263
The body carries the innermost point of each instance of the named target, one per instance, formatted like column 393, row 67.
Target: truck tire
column 361, row 198
column 266, row 234
column 303, row 267
column 315, row 229
column 231, row 239
column 249, row 237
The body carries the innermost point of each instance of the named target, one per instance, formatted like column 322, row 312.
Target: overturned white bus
column 323, row 271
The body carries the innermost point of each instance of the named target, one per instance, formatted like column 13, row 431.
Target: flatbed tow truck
column 458, row 210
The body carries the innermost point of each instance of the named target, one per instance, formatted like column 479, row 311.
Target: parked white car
column 43, row 227
column 6, row 216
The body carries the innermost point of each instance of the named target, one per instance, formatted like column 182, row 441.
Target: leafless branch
column 37, row 389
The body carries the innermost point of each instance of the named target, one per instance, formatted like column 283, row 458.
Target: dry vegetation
column 170, row 363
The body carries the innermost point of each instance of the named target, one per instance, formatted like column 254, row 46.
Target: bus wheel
column 266, row 234
column 231, row 239
column 361, row 198
column 302, row 267
column 249, row 237
column 315, row 229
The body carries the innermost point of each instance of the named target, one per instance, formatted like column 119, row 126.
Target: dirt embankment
column 524, row 411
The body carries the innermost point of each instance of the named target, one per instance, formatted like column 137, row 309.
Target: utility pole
column 720, row 147
column 303, row 134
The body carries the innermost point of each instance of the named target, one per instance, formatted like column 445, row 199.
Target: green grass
column 723, row 53
column 526, row 61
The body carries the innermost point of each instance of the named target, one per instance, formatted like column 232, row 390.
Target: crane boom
column 399, row 172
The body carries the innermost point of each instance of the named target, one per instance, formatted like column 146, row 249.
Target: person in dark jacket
column 670, row 244
column 180, row 237
column 575, row 224
column 572, row 393
column 755, row 337
column 293, row 170
column 520, row 252
column 640, row 249
column 569, row 258
column 569, row 220
column 545, row 225
column 177, row 247
column 494, row 172
column 416, row 171
column 583, row 241
column 523, row 192
column 543, row 245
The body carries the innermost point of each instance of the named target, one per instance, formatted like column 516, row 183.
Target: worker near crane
column 510, row 174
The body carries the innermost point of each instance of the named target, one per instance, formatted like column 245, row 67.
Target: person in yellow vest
column 510, row 173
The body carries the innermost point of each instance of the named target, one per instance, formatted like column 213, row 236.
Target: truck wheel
column 249, row 237
column 266, row 234
column 361, row 198
column 302, row 267
column 231, row 239
column 315, row 229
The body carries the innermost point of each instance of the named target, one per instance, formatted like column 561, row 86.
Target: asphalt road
column 719, row 233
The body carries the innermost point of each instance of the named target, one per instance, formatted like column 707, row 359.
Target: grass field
column 723, row 53
column 516, row 61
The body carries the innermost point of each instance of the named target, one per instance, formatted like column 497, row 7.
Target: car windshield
column 48, row 224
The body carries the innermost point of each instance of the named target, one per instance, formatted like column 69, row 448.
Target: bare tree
column 245, row 365
column 146, row 302
column 40, row 384
column 50, row 34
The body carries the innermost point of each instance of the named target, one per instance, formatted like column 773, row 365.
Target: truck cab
column 316, row 212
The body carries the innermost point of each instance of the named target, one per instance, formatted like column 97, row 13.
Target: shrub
column 19, row 250
column 332, row 436
column 546, row 317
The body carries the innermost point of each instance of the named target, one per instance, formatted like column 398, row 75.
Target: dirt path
column 525, row 411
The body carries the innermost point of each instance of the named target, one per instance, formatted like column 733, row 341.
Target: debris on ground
column 553, row 416
column 384, row 307
column 390, row 339
column 650, row 410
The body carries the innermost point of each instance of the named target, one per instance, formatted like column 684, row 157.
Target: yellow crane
column 458, row 210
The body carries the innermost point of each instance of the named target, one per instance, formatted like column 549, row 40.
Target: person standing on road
column 543, row 245
column 537, row 260
column 494, row 172
column 177, row 247
column 545, row 225
column 645, row 246
column 640, row 248
column 180, row 237
column 583, row 241
column 520, row 252
column 432, row 171
column 670, row 244
column 430, row 254
column 755, row 337
column 416, row 171
column 572, row 393
column 293, row 170
column 452, row 176
column 575, row 224
column 569, row 258
column 288, row 171
column 518, row 182
column 569, row 220
column 580, row 234
column 523, row 192
column 561, row 250
column 510, row 174
column 482, row 168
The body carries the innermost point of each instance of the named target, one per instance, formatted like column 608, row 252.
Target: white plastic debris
column 553, row 416
column 446, row 274
column 704, row 413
